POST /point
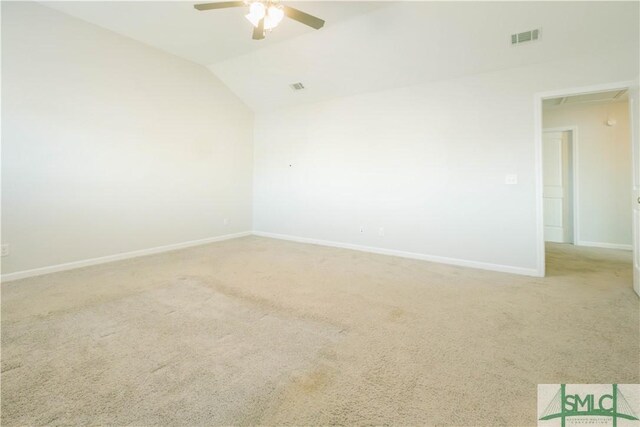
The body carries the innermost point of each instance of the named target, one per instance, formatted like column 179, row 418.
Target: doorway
column 569, row 172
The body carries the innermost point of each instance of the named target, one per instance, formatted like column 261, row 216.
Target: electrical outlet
column 381, row 231
column 511, row 179
column 5, row 250
column 225, row 221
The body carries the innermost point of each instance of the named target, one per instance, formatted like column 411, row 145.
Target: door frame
column 537, row 122
column 575, row 220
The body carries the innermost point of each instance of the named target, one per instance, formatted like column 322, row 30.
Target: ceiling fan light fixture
column 257, row 11
column 273, row 18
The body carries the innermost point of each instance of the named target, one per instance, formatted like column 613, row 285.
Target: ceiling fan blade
column 219, row 5
column 258, row 32
column 302, row 17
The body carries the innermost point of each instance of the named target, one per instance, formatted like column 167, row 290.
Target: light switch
column 511, row 179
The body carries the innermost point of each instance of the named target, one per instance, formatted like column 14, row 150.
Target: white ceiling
column 367, row 46
column 415, row 42
column 205, row 37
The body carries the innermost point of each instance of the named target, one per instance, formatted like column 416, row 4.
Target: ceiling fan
column 265, row 14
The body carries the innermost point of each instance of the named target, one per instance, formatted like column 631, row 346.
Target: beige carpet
column 260, row 331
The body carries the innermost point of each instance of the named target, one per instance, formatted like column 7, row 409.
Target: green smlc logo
column 564, row 405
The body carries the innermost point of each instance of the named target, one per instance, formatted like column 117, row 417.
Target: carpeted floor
column 261, row 331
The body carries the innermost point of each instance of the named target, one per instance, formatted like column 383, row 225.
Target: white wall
column 604, row 169
column 110, row 146
column 426, row 162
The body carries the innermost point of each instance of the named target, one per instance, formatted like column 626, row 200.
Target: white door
column 555, row 161
column 634, row 110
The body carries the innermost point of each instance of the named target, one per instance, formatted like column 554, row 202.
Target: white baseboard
column 117, row 257
column 605, row 245
column 424, row 257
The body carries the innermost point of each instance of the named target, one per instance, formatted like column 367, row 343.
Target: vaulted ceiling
column 205, row 37
column 367, row 46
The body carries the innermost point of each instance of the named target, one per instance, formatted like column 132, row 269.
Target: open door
column 634, row 112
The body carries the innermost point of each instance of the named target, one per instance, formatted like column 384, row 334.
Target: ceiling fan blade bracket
column 258, row 32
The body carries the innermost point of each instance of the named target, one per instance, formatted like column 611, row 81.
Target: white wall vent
column 527, row 36
column 296, row 86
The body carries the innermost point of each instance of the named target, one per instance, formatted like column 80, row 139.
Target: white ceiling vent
column 527, row 36
column 296, row 86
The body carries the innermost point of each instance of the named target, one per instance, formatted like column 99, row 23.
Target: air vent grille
column 527, row 36
column 296, row 86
